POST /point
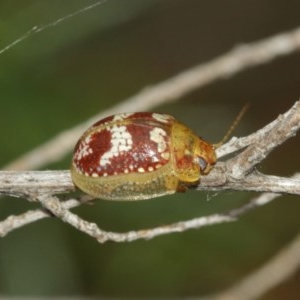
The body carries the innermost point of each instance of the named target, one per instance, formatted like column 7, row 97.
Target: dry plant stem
column 12, row 222
column 30, row 184
column 220, row 179
column 286, row 126
column 36, row 186
column 236, row 144
column 237, row 173
column 236, row 60
column 270, row 135
column 60, row 209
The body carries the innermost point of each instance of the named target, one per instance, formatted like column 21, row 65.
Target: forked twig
column 42, row 186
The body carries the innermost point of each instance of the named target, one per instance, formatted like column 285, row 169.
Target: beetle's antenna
column 233, row 126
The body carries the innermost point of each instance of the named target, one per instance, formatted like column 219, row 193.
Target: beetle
column 140, row 155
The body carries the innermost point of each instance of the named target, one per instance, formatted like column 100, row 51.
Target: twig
column 29, row 184
column 236, row 144
column 41, row 186
column 60, row 209
column 236, row 60
column 286, row 126
column 220, row 179
column 12, row 222
column 237, row 173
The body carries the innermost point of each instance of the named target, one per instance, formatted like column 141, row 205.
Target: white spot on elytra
column 84, row 148
column 121, row 141
column 141, row 170
column 87, row 139
column 157, row 136
column 161, row 117
column 150, row 169
column 120, row 117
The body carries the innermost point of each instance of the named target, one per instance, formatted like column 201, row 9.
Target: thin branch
column 220, row 179
column 236, row 144
column 41, row 186
column 286, row 127
column 28, row 184
column 60, row 209
column 237, row 173
column 12, row 222
column 236, row 60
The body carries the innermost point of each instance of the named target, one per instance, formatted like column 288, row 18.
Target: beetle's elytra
column 136, row 156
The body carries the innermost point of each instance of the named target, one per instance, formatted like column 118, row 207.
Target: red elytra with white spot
column 112, row 147
column 134, row 156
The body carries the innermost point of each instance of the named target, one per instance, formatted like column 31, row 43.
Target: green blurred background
column 65, row 74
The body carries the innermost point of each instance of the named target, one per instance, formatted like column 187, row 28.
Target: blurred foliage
column 63, row 75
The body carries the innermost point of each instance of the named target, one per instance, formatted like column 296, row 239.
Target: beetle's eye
column 202, row 163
